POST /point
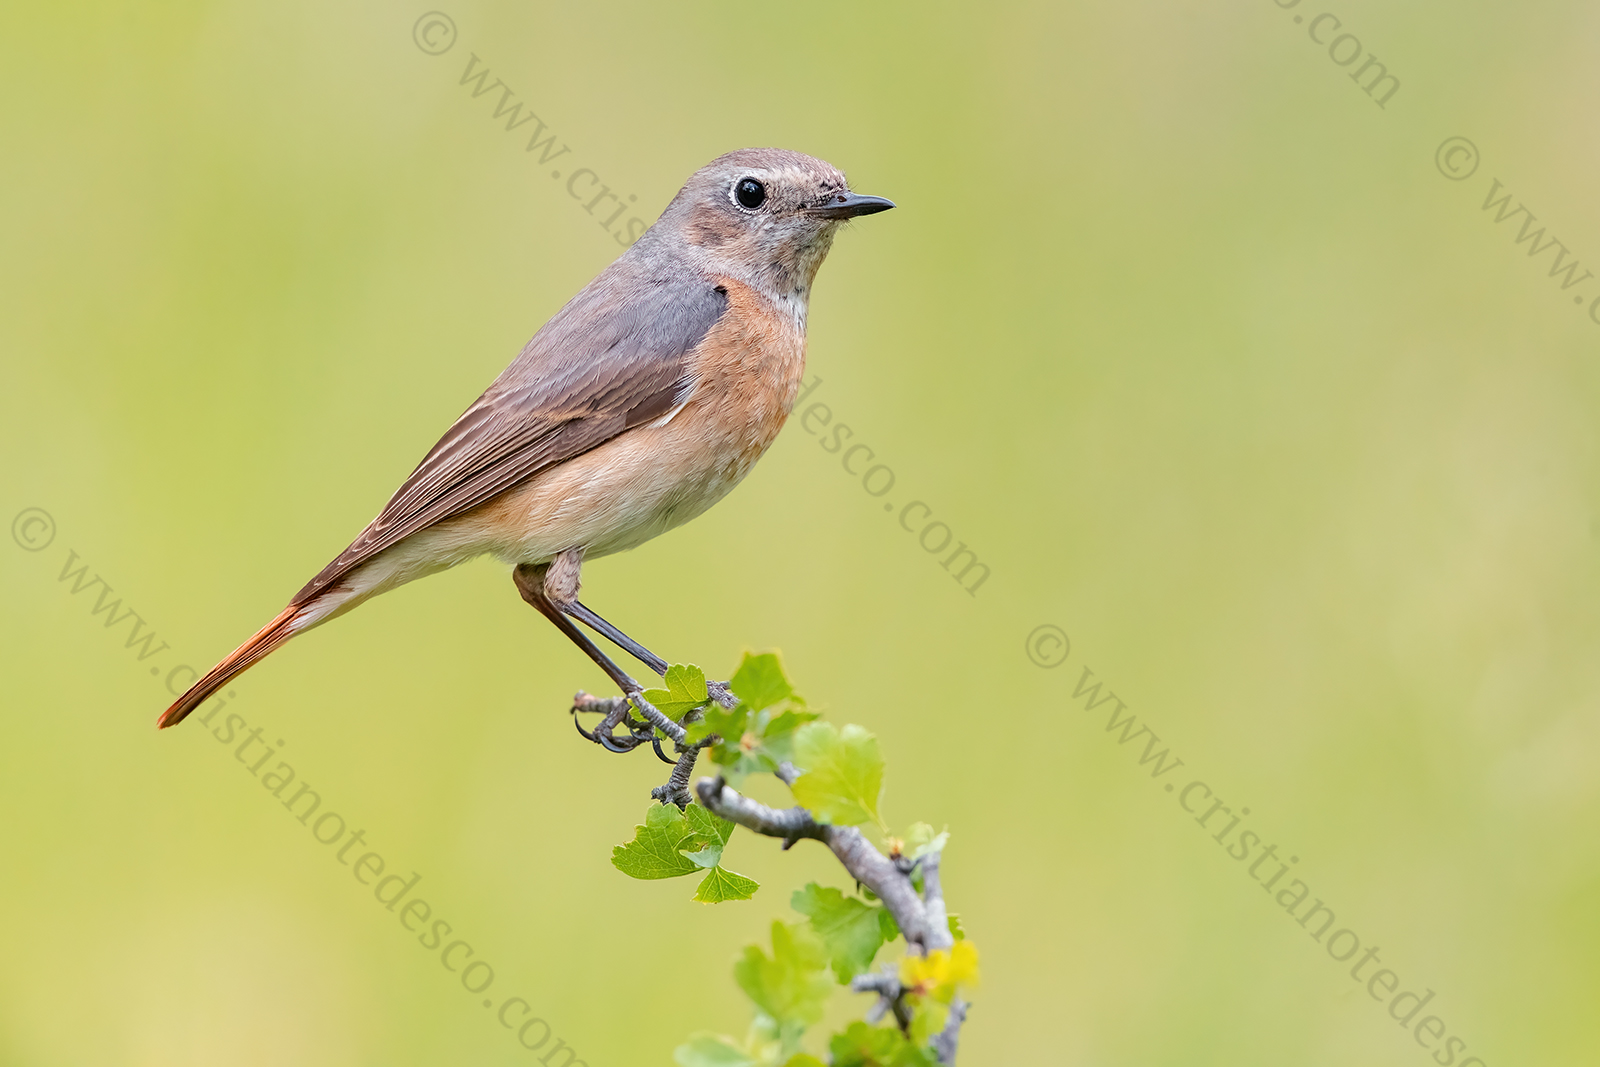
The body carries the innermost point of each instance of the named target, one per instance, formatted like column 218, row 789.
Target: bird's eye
column 750, row 193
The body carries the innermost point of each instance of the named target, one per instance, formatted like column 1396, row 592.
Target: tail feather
column 246, row 655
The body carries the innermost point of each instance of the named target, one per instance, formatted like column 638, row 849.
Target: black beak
column 849, row 205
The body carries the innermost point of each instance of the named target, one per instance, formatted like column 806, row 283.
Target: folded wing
column 614, row 358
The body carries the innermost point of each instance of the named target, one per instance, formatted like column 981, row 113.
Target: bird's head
column 766, row 216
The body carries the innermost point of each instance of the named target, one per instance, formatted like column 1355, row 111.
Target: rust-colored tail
column 268, row 638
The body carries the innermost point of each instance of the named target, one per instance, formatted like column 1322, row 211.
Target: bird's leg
column 552, row 588
column 561, row 584
column 616, row 637
column 718, row 691
column 531, row 584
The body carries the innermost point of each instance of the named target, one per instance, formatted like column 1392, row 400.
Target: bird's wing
column 612, row 359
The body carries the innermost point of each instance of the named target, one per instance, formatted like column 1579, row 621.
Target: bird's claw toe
column 615, row 712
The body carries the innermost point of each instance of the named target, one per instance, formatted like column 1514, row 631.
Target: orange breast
column 654, row 477
column 749, row 368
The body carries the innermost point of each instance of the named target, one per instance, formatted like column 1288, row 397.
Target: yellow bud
column 940, row 974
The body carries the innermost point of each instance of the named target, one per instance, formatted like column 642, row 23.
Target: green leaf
column 927, row 1018
column 955, row 927
column 728, row 725
column 757, row 735
column 760, row 682
column 709, row 833
column 757, row 762
column 803, row 1059
column 719, row 885
column 653, row 852
column 843, row 773
column 791, row 985
column 921, row 840
column 777, row 737
column 861, row 1045
column 852, row 932
column 709, row 856
column 711, row 1050
column 708, row 825
column 686, row 689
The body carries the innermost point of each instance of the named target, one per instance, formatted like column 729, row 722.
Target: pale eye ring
column 749, row 193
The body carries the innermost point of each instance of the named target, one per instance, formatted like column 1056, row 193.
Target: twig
column 946, row 1041
column 891, row 996
column 791, row 824
column 940, row 937
column 676, row 791
column 657, row 719
column 922, row 920
column 868, row 866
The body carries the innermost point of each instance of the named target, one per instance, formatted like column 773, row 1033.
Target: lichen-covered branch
column 891, row 996
column 790, row 824
column 676, row 790
column 946, row 1041
column 881, row 875
column 939, row 937
column 864, row 862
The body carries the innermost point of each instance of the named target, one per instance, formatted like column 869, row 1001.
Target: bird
column 637, row 406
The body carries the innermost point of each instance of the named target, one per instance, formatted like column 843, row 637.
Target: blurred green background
column 1189, row 339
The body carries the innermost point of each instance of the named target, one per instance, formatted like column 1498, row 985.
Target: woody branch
column 922, row 918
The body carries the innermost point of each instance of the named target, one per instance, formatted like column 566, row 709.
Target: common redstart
column 643, row 401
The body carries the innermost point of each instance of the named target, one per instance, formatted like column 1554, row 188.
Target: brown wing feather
column 613, row 358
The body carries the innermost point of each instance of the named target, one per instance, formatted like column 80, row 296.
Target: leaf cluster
column 758, row 734
column 673, row 843
column 837, row 774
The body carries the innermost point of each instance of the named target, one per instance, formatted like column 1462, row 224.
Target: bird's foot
column 657, row 719
column 644, row 723
column 614, row 712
